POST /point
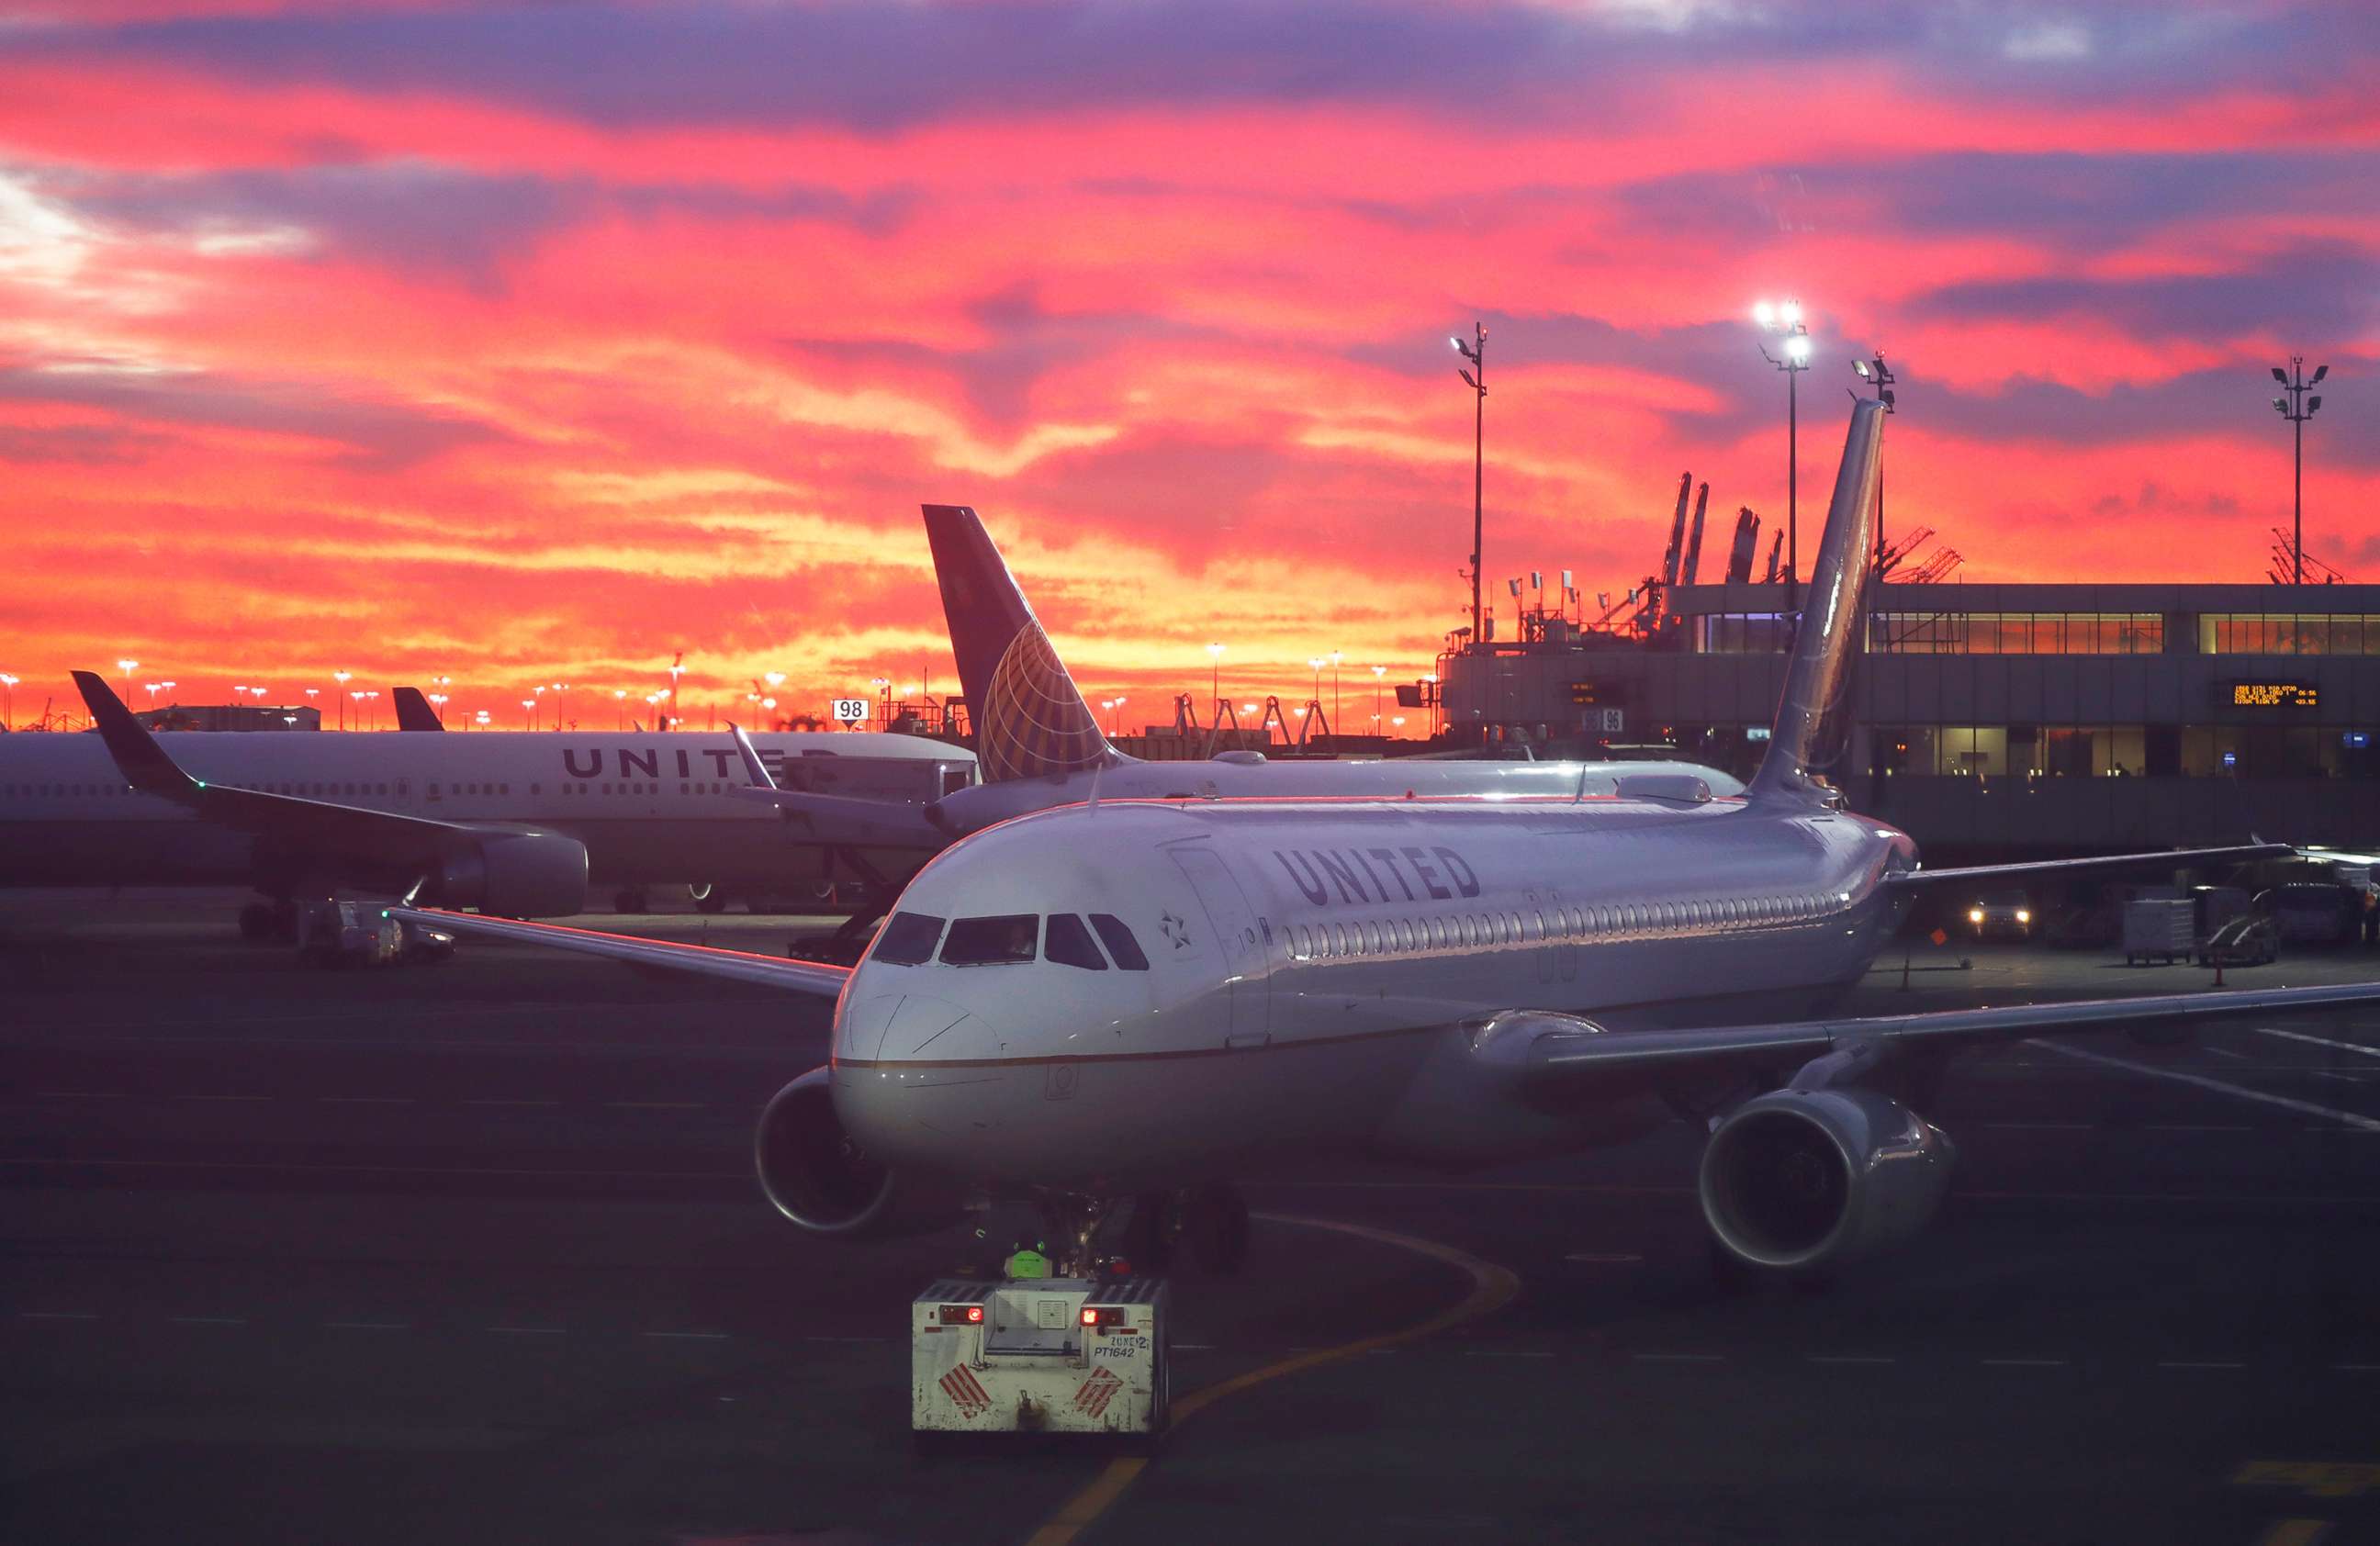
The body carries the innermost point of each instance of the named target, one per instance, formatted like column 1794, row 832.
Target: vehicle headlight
column 2024, row 916
column 1974, row 914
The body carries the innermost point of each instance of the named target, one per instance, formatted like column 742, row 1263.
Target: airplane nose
column 908, row 1025
column 920, row 1079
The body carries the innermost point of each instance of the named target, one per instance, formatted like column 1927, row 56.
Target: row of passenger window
column 1490, row 930
column 1008, row 939
column 64, row 792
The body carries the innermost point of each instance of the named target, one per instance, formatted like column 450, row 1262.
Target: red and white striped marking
column 965, row 1392
column 1097, row 1391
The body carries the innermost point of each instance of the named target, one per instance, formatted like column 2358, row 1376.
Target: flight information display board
column 2271, row 695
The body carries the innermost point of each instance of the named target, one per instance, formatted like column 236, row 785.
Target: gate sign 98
column 850, row 711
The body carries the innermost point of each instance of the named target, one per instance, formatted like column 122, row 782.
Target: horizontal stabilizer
column 838, row 820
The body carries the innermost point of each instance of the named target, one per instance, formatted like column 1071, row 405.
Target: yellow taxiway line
column 1491, row 1288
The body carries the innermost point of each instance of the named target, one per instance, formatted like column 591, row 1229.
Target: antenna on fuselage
column 1581, row 796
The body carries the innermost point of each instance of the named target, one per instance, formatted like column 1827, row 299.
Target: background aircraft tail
column 413, row 710
column 1811, row 734
column 1030, row 719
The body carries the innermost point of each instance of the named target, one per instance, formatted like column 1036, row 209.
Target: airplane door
column 1239, row 942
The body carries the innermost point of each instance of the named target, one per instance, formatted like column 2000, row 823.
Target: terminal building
column 1993, row 721
column 232, row 716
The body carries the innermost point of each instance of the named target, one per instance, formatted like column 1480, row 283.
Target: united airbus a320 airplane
column 509, row 822
column 1137, row 999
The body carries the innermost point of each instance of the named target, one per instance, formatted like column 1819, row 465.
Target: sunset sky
column 537, row 342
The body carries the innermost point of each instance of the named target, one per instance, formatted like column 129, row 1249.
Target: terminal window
column 2016, row 632
column 1742, row 633
column 2029, row 751
column 2287, row 633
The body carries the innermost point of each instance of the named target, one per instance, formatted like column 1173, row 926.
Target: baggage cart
column 2163, row 929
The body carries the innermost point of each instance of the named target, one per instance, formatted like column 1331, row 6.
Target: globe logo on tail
column 1034, row 722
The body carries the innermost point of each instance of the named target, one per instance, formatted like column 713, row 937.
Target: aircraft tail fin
column 1812, row 732
column 1030, row 719
column 413, row 710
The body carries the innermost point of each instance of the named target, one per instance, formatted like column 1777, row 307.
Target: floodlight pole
column 1476, row 353
column 2297, row 408
column 1795, row 333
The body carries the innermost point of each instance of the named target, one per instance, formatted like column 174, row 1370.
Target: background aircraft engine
column 818, row 1177
column 1807, row 1178
column 522, row 874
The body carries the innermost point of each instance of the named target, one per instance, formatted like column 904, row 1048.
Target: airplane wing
column 2059, row 869
column 840, row 819
column 702, row 960
column 382, row 836
column 413, row 710
column 1555, row 1048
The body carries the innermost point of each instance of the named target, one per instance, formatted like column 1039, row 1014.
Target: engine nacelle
column 514, row 875
column 1807, row 1178
column 818, row 1175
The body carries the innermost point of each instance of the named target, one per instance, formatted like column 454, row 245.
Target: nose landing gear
column 1206, row 1227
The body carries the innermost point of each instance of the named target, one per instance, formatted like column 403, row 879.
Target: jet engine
column 514, row 875
column 818, row 1177
column 1801, row 1180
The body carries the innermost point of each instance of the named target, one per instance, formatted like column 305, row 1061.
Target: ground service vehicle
column 1053, row 1355
column 2313, row 912
column 2001, row 915
column 2245, row 939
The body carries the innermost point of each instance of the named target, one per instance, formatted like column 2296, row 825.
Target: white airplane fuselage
column 650, row 808
column 1311, row 968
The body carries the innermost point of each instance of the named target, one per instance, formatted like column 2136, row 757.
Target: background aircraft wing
column 2059, row 869
column 1556, row 1049
column 383, row 836
column 839, row 819
column 702, row 960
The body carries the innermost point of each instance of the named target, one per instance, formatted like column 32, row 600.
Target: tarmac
column 472, row 1253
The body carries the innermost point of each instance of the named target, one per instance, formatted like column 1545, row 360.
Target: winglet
column 1809, row 735
column 413, row 710
column 138, row 757
column 755, row 769
column 1030, row 718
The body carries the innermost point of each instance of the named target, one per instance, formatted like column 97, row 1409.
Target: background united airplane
column 516, row 823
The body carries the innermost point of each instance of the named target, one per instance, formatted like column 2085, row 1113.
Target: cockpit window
column 908, row 938
column 1120, row 942
column 993, row 941
column 1069, row 944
